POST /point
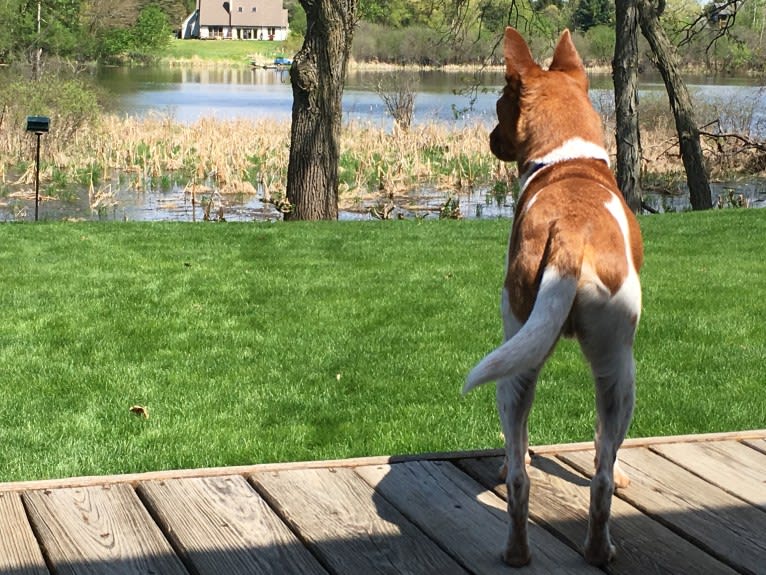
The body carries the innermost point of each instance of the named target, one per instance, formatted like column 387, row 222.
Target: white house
column 238, row 19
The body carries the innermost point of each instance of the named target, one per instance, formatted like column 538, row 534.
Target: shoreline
column 353, row 65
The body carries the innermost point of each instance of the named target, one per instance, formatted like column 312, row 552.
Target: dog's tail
column 529, row 347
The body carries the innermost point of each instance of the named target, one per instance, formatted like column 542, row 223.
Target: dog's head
column 541, row 109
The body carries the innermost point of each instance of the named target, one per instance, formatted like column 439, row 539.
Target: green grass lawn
column 250, row 343
column 234, row 52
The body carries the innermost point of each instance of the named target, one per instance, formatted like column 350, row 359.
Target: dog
column 572, row 269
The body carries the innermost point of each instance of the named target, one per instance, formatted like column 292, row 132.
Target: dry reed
column 250, row 157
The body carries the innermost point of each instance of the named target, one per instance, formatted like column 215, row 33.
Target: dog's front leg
column 514, row 399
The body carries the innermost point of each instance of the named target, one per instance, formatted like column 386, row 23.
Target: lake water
column 188, row 94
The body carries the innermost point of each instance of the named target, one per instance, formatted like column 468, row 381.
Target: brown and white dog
column 572, row 269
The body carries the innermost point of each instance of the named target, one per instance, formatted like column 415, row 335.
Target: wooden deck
column 696, row 504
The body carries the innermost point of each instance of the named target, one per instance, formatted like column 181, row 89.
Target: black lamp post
column 39, row 125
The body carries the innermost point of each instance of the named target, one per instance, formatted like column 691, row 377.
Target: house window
column 239, row 9
column 253, row 8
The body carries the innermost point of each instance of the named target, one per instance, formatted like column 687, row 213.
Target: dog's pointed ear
column 565, row 57
column 518, row 58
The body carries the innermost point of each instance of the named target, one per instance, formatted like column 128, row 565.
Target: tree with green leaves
column 590, row 13
column 296, row 16
column 35, row 27
column 151, row 32
column 175, row 10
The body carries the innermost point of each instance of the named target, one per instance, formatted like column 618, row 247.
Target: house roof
column 244, row 13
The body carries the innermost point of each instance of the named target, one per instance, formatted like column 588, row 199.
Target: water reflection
column 188, row 94
column 177, row 204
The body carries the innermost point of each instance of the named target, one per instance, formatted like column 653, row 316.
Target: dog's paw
column 621, row 479
column 600, row 554
column 517, row 556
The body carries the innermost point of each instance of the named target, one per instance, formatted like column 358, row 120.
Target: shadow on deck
column 696, row 504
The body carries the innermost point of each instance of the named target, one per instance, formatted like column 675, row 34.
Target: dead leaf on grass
column 140, row 411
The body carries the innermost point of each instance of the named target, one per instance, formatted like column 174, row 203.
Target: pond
column 188, row 94
column 455, row 98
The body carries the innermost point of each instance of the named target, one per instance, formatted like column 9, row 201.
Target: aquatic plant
column 244, row 157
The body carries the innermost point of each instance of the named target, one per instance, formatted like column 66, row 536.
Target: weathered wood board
column 348, row 525
column 717, row 521
column 221, row 525
column 19, row 552
column 696, row 504
column 759, row 444
column 731, row 465
column 559, row 500
column 100, row 530
column 464, row 518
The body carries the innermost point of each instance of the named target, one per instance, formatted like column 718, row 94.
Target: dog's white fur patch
column 614, row 207
column 572, row 149
column 630, row 291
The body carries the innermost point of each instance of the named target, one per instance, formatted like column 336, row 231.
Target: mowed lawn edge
column 253, row 343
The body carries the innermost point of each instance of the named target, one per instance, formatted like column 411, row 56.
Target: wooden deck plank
column 756, row 436
column 221, row 525
column 753, row 434
column 724, row 525
column 464, row 518
column 348, row 526
column 99, row 530
column 19, row 552
column 759, row 444
column 731, row 465
column 694, row 500
column 559, row 500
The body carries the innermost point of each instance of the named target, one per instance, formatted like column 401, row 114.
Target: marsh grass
column 250, row 343
column 249, row 157
column 737, row 157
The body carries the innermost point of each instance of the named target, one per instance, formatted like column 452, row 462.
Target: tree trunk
column 625, row 76
column 680, row 103
column 317, row 76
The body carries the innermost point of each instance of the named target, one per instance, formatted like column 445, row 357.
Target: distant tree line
column 463, row 31
column 87, row 30
column 397, row 31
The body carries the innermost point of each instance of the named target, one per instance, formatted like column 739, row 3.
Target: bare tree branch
column 711, row 15
column 747, row 143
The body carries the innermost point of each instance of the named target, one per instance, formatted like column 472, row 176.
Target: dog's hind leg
column 514, row 399
column 611, row 359
column 511, row 326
